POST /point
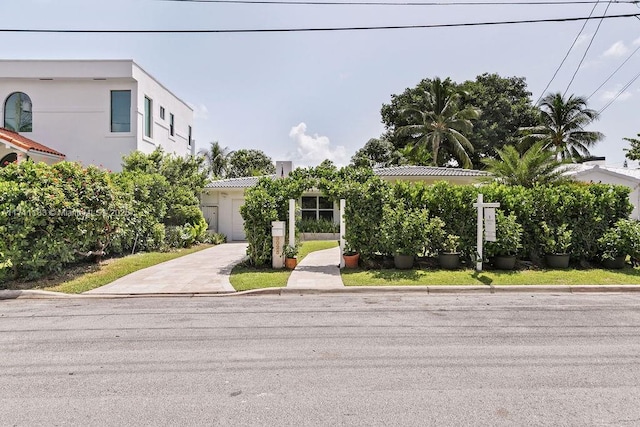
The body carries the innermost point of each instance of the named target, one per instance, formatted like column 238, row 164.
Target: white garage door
column 237, row 223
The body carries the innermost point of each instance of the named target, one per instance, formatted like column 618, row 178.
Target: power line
column 624, row 88
column 614, row 73
column 586, row 51
column 387, row 3
column 567, row 54
column 298, row 30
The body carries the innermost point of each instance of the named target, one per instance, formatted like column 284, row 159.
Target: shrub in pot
column 449, row 256
column 556, row 242
column 503, row 251
column 404, row 233
column 351, row 256
column 619, row 241
column 291, row 256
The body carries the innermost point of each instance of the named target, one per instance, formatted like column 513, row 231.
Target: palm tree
column 562, row 123
column 440, row 124
column 537, row 165
column 216, row 159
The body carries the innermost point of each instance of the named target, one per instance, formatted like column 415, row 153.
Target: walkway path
column 206, row 271
column 318, row 270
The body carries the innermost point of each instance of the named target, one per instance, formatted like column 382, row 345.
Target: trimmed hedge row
column 589, row 210
column 51, row 216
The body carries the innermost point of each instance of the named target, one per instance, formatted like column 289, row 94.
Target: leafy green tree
column 506, row 107
column 561, row 127
column 633, row 153
column 377, row 153
column 439, row 123
column 249, row 163
column 537, row 165
column 216, row 159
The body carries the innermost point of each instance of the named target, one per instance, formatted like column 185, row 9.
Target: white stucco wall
column 597, row 175
column 229, row 220
column 71, row 102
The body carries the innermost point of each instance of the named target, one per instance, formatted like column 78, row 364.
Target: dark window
column 162, row 113
column 317, row 207
column 17, row 113
column 171, row 131
column 189, row 136
column 148, row 117
column 120, row 111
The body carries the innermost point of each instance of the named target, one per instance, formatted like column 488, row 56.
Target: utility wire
column 625, row 87
column 586, row 51
column 614, row 73
column 567, row 54
column 387, row 3
column 320, row 29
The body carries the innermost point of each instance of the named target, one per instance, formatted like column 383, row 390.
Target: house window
column 317, row 207
column 120, row 111
column 148, row 117
column 171, row 131
column 9, row 158
column 17, row 113
column 189, row 136
column 161, row 113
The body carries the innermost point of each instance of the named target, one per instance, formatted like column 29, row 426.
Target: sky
column 310, row 96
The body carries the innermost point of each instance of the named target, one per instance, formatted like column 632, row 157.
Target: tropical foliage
column 216, row 159
column 633, row 153
column 562, row 127
column 249, row 163
column 535, row 166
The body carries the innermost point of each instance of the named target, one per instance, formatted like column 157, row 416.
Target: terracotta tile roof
column 25, row 143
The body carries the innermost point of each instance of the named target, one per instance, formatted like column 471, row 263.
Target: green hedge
column 587, row 209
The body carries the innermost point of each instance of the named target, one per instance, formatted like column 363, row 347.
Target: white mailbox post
column 486, row 224
column 278, row 234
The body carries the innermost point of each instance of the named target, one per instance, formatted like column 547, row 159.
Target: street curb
column 429, row 290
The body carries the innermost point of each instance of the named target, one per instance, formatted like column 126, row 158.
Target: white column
column 479, row 254
column 292, row 222
column 343, row 230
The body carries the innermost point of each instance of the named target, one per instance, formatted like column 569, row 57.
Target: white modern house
column 91, row 111
column 221, row 200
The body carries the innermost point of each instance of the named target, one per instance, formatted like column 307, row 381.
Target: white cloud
column 636, row 42
column 311, row 150
column 616, row 49
column 608, row 95
column 200, row 111
column 583, row 38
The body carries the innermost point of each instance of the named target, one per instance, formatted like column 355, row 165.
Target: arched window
column 17, row 113
column 9, row 158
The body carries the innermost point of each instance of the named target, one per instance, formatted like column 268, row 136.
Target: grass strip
column 244, row 278
column 358, row 277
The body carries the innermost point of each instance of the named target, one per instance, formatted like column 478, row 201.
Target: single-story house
column 597, row 173
column 15, row 148
column 221, row 200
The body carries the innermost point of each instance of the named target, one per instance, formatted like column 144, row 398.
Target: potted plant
column 449, row 256
column 503, row 251
column 555, row 245
column 617, row 242
column 291, row 256
column 351, row 256
column 404, row 231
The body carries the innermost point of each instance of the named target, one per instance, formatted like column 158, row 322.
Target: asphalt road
column 385, row 359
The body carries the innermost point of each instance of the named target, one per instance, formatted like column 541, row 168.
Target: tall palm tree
column 216, row 159
column 562, row 127
column 440, row 125
column 537, row 165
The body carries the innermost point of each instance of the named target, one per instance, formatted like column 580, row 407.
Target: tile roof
column 25, row 143
column 581, row 169
column 244, row 182
column 426, row 171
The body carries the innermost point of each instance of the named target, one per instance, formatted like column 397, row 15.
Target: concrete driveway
column 206, row 271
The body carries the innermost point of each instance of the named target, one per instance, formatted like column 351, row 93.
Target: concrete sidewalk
column 205, row 272
column 319, row 270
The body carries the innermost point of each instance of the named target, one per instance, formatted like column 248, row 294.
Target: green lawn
column 357, row 277
column 110, row 270
column 244, row 278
